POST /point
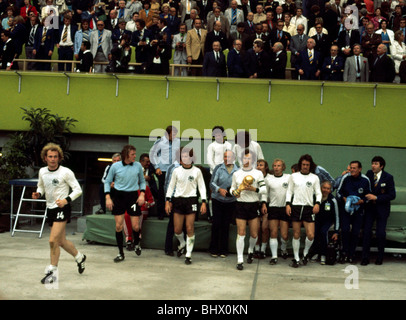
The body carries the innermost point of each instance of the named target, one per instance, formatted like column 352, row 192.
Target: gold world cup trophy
column 246, row 182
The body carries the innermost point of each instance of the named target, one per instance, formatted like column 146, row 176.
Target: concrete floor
column 155, row 276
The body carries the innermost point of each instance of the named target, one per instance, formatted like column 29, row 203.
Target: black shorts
column 184, row 205
column 278, row 213
column 126, row 201
column 246, row 210
column 302, row 213
column 59, row 214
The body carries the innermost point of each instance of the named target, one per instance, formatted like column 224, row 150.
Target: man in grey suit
column 185, row 6
column 297, row 44
column 356, row 68
column 234, row 16
column 101, row 45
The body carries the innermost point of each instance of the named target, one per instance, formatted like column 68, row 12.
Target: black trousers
column 222, row 216
column 161, row 196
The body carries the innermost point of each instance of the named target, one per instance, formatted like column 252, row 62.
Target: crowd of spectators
column 354, row 40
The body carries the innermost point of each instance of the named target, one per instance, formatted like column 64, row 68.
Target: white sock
column 263, row 246
column 284, row 244
column 240, row 248
column 51, row 268
column 273, row 244
column 256, row 247
column 252, row 245
column 181, row 239
column 296, row 247
column 190, row 242
column 79, row 257
column 308, row 244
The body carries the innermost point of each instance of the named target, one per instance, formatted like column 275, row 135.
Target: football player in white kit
column 55, row 182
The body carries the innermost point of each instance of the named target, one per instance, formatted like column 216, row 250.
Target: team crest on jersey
column 308, row 184
column 191, row 178
column 55, row 182
column 360, row 190
column 285, row 185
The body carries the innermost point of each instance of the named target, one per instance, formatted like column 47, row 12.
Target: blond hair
column 51, row 147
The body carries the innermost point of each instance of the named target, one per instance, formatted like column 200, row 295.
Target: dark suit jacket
column 341, row 41
column 7, row 53
column 173, row 25
column 73, row 30
column 285, row 38
column 235, row 65
column 368, row 50
column 323, row 45
column 278, row 65
column 309, row 69
column 212, row 68
column 259, row 64
column 116, row 35
column 211, row 37
column 382, row 70
column 49, row 42
column 19, row 36
column 384, row 190
column 141, row 52
column 335, row 71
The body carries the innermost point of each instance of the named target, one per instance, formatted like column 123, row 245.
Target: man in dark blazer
column 382, row 66
column 65, row 41
column 257, row 62
column 173, row 21
column 235, row 62
column 7, row 51
column 118, row 33
column 377, row 208
column 214, row 63
column 141, row 39
column 370, row 42
column 308, row 63
column 346, row 40
column 216, row 35
column 333, row 66
column 44, row 43
column 323, row 43
column 278, row 61
column 278, row 35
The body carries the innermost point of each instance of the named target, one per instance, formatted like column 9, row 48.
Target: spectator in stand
column 32, row 27
column 64, row 43
column 195, row 41
column 234, row 61
column 130, row 26
column 299, row 19
column 101, row 45
column 387, row 35
column 370, row 43
column 309, row 61
column 288, row 26
column 383, row 67
column 356, row 68
column 333, row 66
column 10, row 14
column 398, row 50
column 81, row 35
column 216, row 35
column 7, row 52
column 179, row 46
column 44, row 43
column 26, row 9
column 376, row 20
column 278, row 62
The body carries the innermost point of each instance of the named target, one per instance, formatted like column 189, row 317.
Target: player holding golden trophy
column 248, row 181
